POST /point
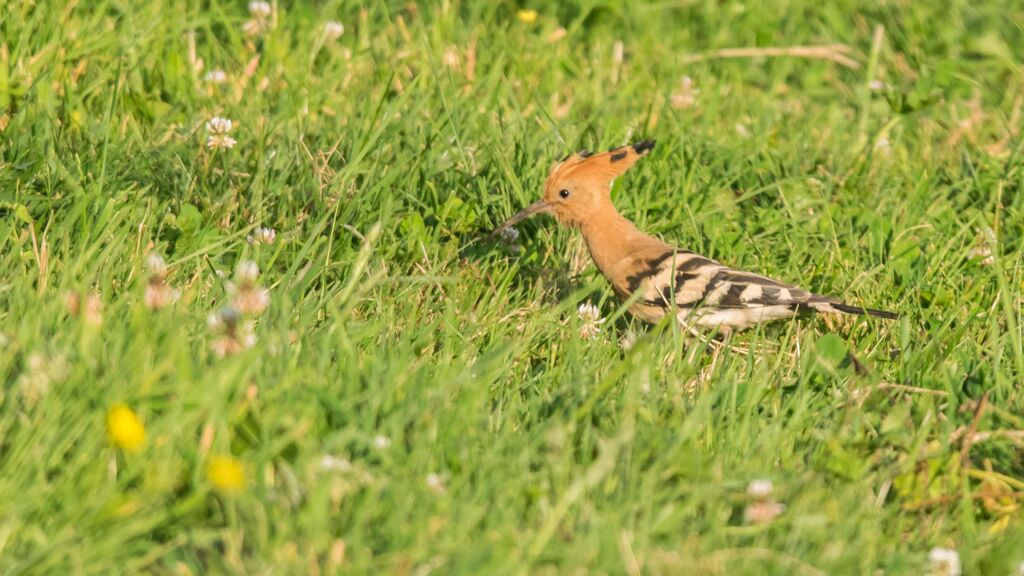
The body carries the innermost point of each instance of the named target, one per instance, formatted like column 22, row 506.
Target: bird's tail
column 860, row 310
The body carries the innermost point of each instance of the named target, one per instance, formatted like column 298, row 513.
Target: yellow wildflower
column 226, row 474
column 125, row 429
column 527, row 16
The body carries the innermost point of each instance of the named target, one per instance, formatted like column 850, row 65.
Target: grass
column 418, row 400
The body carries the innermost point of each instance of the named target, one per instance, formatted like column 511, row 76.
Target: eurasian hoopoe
column 665, row 279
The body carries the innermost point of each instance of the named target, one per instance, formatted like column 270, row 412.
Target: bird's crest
column 603, row 166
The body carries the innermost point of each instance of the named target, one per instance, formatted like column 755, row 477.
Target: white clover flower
column 627, row 341
column 451, row 58
column 763, row 511
column 226, row 319
column 218, row 139
column 214, row 322
column 156, row 264
column 333, row 30
column 218, row 125
column 250, row 299
column 760, row 489
column 982, row 250
column 883, row 146
column 247, row 271
column 247, row 296
column 436, row 484
column 262, row 14
column 330, row 463
column 159, row 293
column 252, row 28
column 40, row 372
column 262, row 236
column 764, row 508
column 259, row 9
column 381, row 442
column 983, row 254
column 216, row 76
column 235, row 335
column 687, row 94
column 878, row 85
column 590, row 315
column 944, row 562
column 509, row 235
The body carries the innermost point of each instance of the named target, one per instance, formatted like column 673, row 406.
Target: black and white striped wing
column 715, row 295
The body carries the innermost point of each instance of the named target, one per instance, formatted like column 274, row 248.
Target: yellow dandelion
column 527, row 16
column 125, row 429
column 226, row 474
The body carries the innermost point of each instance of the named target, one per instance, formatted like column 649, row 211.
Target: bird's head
column 579, row 187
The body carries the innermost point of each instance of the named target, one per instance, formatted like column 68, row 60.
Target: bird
column 658, row 278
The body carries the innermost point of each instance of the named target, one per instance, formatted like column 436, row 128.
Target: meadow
column 250, row 322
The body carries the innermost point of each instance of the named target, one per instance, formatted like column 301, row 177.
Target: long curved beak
column 538, row 206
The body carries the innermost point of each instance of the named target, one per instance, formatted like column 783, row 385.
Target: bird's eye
column 563, row 193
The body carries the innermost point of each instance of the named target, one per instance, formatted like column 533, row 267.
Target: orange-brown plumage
column 664, row 279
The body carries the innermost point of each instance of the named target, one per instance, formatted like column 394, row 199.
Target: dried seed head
column 229, row 344
column 93, row 309
column 251, row 299
column 557, row 34
column 763, row 511
column 159, row 293
column 72, row 302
